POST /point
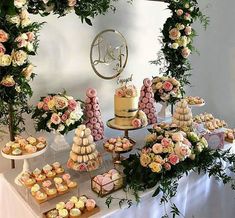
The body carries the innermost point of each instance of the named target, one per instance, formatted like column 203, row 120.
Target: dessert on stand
column 84, row 155
column 24, row 149
column 195, row 101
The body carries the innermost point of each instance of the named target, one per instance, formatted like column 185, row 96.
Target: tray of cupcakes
column 23, row 148
column 75, row 207
column 195, row 101
column 48, row 183
column 108, row 182
column 119, row 145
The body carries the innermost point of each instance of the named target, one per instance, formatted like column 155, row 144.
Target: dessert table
column 197, row 196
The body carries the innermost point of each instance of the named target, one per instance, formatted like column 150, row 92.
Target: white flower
column 13, row 19
column 60, row 128
column 185, row 52
column 5, row 60
column 186, row 5
column 25, row 22
column 174, row 34
column 17, row 88
column 175, row 45
column 19, row 58
column 30, row 47
column 19, row 3
column 180, row 26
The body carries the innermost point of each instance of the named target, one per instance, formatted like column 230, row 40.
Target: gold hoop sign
column 109, row 54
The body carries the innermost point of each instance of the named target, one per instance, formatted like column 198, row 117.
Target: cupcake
column 59, row 170
column 17, row 152
column 74, row 199
column 80, row 205
column 40, row 146
column 83, row 198
column 42, row 139
column 35, row 188
column 51, row 174
column 51, row 192
column 74, row 213
column 72, row 184
column 32, row 140
column 60, row 205
column 52, row 214
column 37, row 172
column 90, row 204
column 41, row 196
column 64, row 213
column 6, row 150
column 30, row 182
column 40, row 178
column 69, row 205
column 56, row 165
column 47, row 168
column 62, row 188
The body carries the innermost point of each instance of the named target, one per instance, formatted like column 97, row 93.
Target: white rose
column 17, row 88
column 25, row 22
column 30, row 47
column 186, row 5
column 180, row 26
column 184, row 41
column 60, row 128
column 27, row 72
column 69, row 122
column 19, row 58
column 13, row 19
column 5, row 60
column 175, row 45
column 19, row 3
column 24, row 36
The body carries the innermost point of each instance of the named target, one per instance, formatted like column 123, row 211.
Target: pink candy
column 94, row 132
column 142, row 93
column 150, row 116
column 90, row 114
column 98, row 137
column 147, row 82
column 149, row 106
column 89, row 125
column 97, row 125
column 145, row 100
column 96, row 107
column 142, row 105
column 96, row 113
column 148, row 95
column 88, row 106
column 95, row 100
column 146, row 111
column 88, row 100
column 91, row 93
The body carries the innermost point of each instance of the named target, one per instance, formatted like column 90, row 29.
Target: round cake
column 125, row 105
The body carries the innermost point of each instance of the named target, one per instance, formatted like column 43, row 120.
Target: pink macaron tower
column 146, row 101
column 93, row 115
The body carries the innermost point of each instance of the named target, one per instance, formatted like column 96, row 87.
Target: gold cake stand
column 117, row 158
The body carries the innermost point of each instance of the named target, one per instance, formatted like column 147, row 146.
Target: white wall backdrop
column 63, row 57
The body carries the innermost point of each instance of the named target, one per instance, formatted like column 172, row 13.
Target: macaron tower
column 146, row 101
column 94, row 121
column 84, row 156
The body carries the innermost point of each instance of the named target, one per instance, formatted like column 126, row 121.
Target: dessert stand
column 26, row 162
column 117, row 158
column 196, row 105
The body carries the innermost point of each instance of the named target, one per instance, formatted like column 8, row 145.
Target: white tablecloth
column 197, row 196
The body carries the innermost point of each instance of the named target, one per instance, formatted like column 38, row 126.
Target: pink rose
column 179, row 12
column 55, row 118
column 165, row 142
column 45, row 107
column 21, row 42
column 188, row 30
column 3, row 36
column 72, row 104
column 167, row 86
column 31, row 36
column 157, row 148
column 120, row 93
column 167, row 166
column 160, row 91
column 173, row 159
column 147, row 82
column 47, row 99
column 185, row 52
column 2, row 49
column 187, row 16
column 187, row 142
column 72, row 3
column 177, row 137
column 40, row 105
column 64, row 117
column 91, row 93
column 136, row 123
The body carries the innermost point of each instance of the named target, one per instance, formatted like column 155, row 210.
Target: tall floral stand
column 165, row 111
column 59, row 142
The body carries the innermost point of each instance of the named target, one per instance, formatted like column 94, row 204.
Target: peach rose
column 72, row 3
column 40, row 105
column 27, row 72
column 185, row 52
column 19, row 3
column 21, row 41
column 179, row 12
column 174, row 34
column 173, row 159
column 167, row 86
column 2, row 49
column 60, row 102
column 177, row 137
column 165, row 142
column 55, row 119
column 167, row 166
column 157, row 148
column 3, row 36
column 136, row 123
column 8, row 81
column 31, row 36
column 188, row 30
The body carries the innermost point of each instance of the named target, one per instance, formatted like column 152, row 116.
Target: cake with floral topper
column 126, row 109
column 84, row 156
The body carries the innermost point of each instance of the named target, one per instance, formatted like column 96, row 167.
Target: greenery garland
column 177, row 39
column 146, row 170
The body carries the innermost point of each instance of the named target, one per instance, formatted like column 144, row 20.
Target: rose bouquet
column 58, row 112
column 166, row 89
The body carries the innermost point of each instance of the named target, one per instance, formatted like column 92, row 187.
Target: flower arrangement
column 126, row 91
column 177, row 39
column 168, row 154
column 166, row 89
column 58, row 112
column 140, row 120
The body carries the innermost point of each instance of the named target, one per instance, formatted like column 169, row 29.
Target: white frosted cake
column 125, row 105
